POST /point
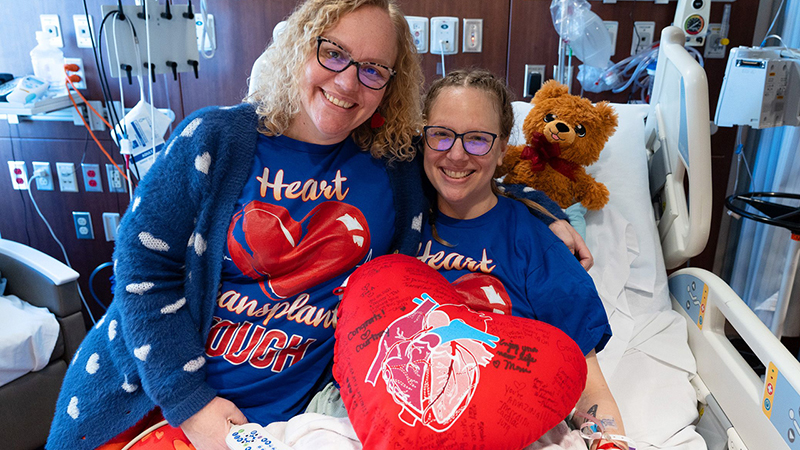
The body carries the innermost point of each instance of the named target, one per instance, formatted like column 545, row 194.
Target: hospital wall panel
column 20, row 222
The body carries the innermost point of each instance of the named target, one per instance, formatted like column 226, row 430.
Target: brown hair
column 486, row 81
column 276, row 94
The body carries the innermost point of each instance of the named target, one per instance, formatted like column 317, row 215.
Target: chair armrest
column 39, row 279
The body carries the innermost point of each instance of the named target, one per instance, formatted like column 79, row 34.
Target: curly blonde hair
column 277, row 88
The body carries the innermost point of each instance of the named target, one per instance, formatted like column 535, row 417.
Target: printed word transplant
column 308, row 191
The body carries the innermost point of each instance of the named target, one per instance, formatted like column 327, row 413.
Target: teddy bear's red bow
column 541, row 152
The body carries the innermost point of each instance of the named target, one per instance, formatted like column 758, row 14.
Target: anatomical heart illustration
column 430, row 360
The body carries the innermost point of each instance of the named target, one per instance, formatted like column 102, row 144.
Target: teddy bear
column 563, row 134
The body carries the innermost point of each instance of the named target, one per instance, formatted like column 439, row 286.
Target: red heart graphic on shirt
column 420, row 369
column 293, row 256
column 483, row 292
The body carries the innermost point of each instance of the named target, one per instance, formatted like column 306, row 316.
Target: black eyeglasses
column 476, row 143
column 333, row 57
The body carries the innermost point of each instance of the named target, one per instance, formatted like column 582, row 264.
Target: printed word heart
column 420, row 369
column 267, row 244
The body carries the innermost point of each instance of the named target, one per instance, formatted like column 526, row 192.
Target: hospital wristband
column 616, row 437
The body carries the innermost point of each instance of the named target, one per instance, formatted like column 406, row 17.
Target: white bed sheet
column 647, row 362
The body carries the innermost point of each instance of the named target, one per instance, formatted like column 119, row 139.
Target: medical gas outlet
column 472, row 42
column 444, row 35
column 419, row 31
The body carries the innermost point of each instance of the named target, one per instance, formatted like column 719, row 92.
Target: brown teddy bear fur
column 557, row 114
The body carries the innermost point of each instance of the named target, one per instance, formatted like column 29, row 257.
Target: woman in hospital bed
column 468, row 118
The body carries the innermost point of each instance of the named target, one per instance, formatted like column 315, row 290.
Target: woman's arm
column 598, row 402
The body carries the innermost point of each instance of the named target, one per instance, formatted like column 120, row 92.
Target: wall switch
column 642, row 36
column 419, row 30
column 534, row 77
column 613, row 27
column 444, row 35
column 110, row 225
column 83, row 225
column 67, row 180
column 44, row 176
column 115, row 181
column 91, row 178
column 473, row 36
column 81, row 73
column 83, row 30
column 51, row 25
column 19, row 175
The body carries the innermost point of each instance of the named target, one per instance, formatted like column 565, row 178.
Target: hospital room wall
column 516, row 32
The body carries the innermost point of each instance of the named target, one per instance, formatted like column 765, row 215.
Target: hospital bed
column 676, row 376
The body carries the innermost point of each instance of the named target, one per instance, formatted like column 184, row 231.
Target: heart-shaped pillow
column 419, row 369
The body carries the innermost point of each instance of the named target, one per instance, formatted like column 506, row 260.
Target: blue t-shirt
column 306, row 218
column 542, row 279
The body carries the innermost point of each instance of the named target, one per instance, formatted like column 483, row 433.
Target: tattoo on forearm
column 592, row 411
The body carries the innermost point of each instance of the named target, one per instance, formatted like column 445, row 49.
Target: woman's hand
column 208, row 428
column 564, row 231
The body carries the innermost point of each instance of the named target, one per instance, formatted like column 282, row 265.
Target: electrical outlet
column 642, row 36
column 19, row 175
column 83, row 30
column 534, row 77
column 83, row 225
column 51, row 24
column 67, row 181
column 472, row 41
column 110, row 226
column 444, row 35
column 91, row 178
column 211, row 37
column 613, row 27
column 78, row 62
column 44, row 176
column 419, row 30
column 115, row 181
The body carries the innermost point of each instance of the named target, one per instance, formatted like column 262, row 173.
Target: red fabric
column 163, row 438
column 436, row 374
column 542, row 153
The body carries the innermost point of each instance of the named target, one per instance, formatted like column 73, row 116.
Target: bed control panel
column 252, row 436
column 692, row 294
column 781, row 405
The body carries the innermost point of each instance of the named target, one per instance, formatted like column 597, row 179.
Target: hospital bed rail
column 753, row 412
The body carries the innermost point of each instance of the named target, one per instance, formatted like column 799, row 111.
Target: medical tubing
column 53, row 234
column 144, row 433
column 774, row 19
column 91, row 132
column 122, row 124
column 204, row 13
column 150, row 79
column 97, row 61
column 103, row 75
column 91, row 283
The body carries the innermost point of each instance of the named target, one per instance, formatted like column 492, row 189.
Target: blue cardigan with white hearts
column 148, row 350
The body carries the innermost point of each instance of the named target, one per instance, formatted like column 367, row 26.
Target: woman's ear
column 503, row 150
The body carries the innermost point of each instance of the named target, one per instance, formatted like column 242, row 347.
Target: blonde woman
column 227, row 256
